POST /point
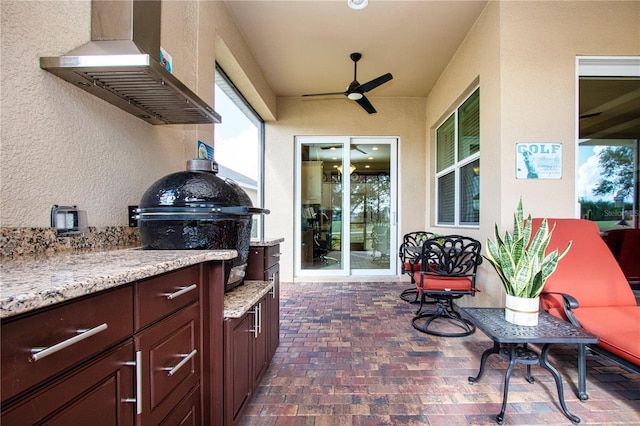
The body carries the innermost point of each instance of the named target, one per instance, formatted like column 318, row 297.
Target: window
column 239, row 143
column 458, row 165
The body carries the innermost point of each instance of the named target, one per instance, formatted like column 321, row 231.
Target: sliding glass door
column 346, row 206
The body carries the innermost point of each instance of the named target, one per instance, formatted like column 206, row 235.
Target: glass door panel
column 346, row 195
column 321, row 244
column 371, row 206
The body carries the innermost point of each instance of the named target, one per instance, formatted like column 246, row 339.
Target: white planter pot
column 521, row 310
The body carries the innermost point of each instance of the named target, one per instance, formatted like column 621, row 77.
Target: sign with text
column 538, row 160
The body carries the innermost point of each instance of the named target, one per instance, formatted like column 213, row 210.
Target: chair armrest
column 569, row 303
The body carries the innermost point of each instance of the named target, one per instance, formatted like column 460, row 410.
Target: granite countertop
column 32, row 282
column 242, row 298
column 266, row 242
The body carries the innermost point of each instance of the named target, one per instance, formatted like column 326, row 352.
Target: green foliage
column 519, row 260
column 616, row 164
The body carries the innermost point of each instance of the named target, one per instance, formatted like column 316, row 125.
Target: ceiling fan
column 353, row 147
column 356, row 91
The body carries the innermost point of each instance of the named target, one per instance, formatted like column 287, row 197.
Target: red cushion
column 408, row 267
column 618, row 329
column 589, row 271
column 431, row 282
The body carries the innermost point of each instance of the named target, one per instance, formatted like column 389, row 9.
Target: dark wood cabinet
column 251, row 340
column 238, row 383
column 157, row 351
column 170, row 353
column 127, row 356
column 273, row 310
column 43, row 344
column 100, row 392
column 264, row 265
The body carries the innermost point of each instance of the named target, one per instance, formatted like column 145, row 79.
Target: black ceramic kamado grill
column 197, row 210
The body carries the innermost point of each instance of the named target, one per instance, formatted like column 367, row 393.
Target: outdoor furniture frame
column 590, row 290
column 511, row 342
column 448, row 265
column 409, row 253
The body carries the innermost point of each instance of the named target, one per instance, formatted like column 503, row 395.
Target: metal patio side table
column 510, row 341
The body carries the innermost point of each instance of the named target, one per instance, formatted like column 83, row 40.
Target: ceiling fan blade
column 326, row 94
column 331, row 147
column 358, row 149
column 594, row 114
column 370, row 85
column 364, row 103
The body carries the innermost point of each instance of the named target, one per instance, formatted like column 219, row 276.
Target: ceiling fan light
column 355, row 96
column 357, row 4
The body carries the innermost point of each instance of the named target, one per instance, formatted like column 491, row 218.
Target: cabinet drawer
column 158, row 297
column 91, row 395
column 93, row 324
column 271, row 256
column 170, row 362
column 261, row 259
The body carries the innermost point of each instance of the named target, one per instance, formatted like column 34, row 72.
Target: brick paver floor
column 349, row 356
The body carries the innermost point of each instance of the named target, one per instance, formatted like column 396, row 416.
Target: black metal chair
column 409, row 253
column 448, row 266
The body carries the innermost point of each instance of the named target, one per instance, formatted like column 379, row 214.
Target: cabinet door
column 273, row 310
column 188, row 412
column 94, row 394
column 260, row 340
column 238, row 342
column 170, row 362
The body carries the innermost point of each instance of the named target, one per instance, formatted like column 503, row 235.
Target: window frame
column 456, row 167
column 223, row 81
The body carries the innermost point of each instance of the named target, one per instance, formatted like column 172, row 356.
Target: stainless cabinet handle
column 138, row 399
column 276, row 255
column 39, row 353
column 255, row 313
column 186, row 357
column 260, row 317
column 180, row 292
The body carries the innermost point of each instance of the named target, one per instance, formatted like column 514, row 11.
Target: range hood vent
column 121, row 65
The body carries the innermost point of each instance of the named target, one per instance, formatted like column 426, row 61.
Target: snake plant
column 519, row 260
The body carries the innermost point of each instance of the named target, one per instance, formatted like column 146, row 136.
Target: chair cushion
column 589, row 271
column 409, row 267
column 617, row 328
column 442, row 283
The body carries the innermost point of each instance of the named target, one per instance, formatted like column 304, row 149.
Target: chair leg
column 408, row 294
column 444, row 310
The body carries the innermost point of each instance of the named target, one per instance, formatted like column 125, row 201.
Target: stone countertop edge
column 266, row 242
column 30, row 283
column 239, row 300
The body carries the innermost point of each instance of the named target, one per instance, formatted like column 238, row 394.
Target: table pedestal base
column 520, row 354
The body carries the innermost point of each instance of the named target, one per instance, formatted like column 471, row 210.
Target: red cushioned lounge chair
column 589, row 289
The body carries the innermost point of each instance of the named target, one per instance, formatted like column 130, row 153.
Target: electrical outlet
column 133, row 222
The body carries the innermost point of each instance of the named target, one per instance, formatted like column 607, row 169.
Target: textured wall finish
column 61, row 145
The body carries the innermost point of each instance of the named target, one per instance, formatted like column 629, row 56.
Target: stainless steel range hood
column 121, row 65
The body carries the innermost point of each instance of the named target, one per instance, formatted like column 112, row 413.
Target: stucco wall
column 524, row 56
column 402, row 117
column 61, row 145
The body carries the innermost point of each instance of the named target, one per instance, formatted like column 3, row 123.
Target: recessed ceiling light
column 370, row 158
column 357, row 4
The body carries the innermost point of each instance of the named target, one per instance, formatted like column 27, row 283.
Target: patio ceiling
column 303, row 47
